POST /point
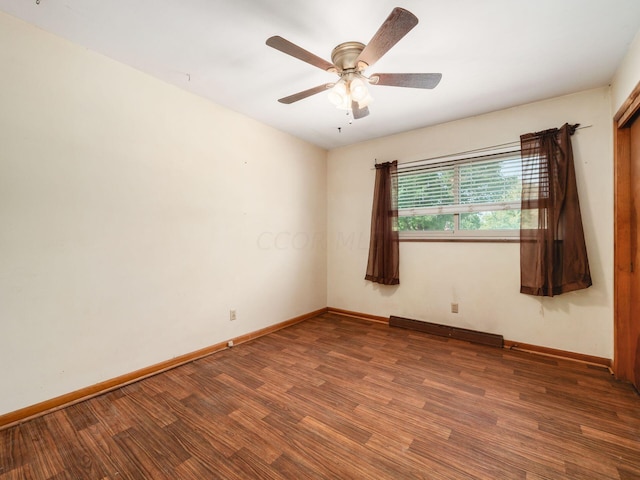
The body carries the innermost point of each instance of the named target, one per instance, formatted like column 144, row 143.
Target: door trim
column 624, row 347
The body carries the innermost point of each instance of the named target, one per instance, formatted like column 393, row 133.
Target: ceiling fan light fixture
column 349, row 89
column 337, row 93
column 358, row 89
column 366, row 101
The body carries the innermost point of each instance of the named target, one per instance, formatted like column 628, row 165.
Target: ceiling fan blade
column 396, row 26
column 357, row 111
column 285, row 46
column 305, row 93
column 411, row 80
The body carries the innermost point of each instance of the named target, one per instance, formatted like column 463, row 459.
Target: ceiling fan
column 351, row 59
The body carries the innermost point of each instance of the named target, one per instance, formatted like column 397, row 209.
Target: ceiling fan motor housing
column 345, row 55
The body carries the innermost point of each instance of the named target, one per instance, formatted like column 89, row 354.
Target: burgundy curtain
column 553, row 253
column 384, row 255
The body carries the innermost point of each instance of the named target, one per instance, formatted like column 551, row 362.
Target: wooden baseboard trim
column 508, row 344
column 13, row 418
column 563, row 354
column 364, row 316
column 279, row 326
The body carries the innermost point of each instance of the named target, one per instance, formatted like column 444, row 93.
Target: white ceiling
column 493, row 54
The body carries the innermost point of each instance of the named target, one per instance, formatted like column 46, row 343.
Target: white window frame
column 457, row 209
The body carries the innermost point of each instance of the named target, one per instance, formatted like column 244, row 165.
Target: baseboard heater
column 473, row 336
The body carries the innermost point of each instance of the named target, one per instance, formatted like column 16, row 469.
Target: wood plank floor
column 342, row 398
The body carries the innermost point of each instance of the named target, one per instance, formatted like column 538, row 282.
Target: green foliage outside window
column 495, row 183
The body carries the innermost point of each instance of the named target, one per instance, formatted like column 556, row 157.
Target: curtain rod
column 468, row 152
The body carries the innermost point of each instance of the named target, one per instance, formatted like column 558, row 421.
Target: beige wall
column 627, row 76
column 134, row 216
column 482, row 277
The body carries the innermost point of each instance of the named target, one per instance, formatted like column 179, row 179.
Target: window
column 461, row 197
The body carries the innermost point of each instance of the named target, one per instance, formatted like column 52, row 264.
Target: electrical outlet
column 454, row 308
column 232, row 315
